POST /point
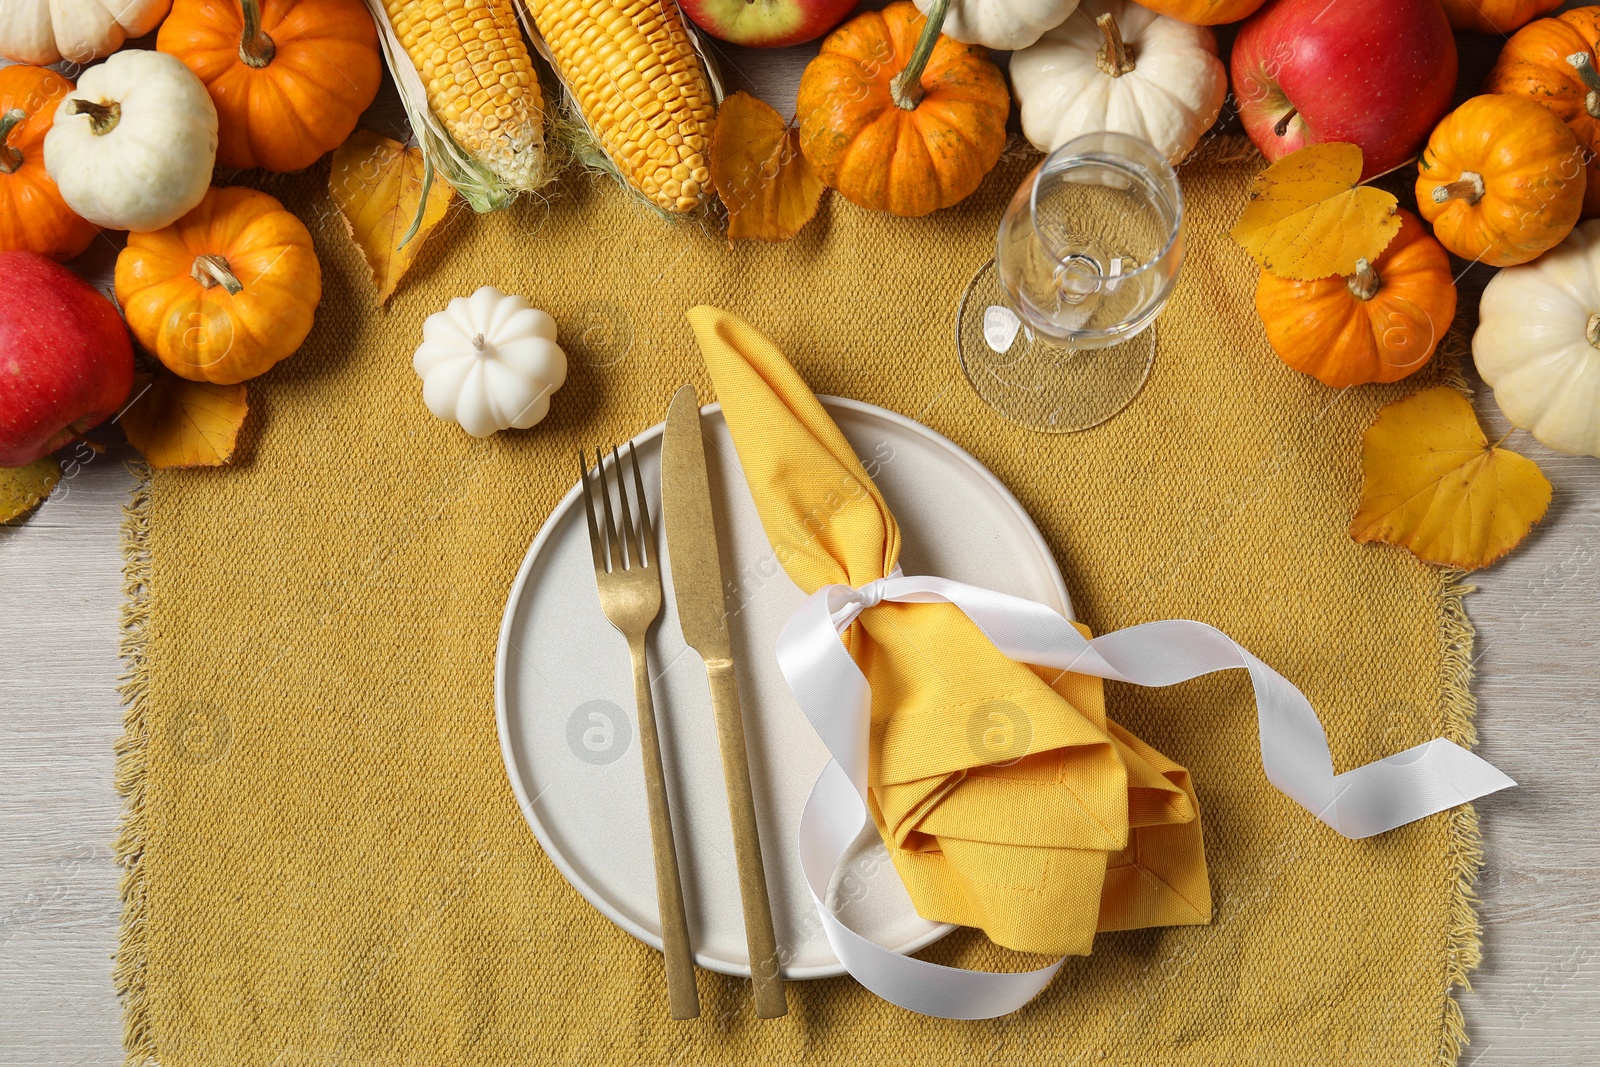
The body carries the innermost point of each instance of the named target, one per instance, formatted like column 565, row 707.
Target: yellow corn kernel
column 636, row 77
column 480, row 80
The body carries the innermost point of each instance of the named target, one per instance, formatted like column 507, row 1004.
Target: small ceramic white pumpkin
column 1116, row 66
column 489, row 362
column 1001, row 24
column 47, row 31
column 133, row 146
column 1538, row 343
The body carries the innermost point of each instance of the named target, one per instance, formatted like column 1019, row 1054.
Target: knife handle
column 683, row 998
column 763, row 943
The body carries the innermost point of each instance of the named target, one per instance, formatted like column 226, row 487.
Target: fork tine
column 630, row 536
column 588, row 513
column 605, row 499
column 647, row 533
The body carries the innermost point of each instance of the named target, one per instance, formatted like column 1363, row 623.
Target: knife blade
column 692, row 532
column 695, row 560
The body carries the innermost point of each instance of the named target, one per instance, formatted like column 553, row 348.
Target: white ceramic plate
column 564, row 696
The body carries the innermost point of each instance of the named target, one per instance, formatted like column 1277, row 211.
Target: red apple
column 1375, row 73
column 66, row 363
column 768, row 23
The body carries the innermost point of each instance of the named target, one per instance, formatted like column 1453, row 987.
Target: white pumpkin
column 1538, row 343
column 47, row 31
column 489, row 362
column 1001, row 24
column 1116, row 66
column 133, row 146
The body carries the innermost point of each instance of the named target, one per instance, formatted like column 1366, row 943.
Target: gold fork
column 629, row 578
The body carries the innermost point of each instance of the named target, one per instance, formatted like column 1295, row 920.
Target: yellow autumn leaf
column 758, row 171
column 1434, row 484
column 24, row 488
column 1309, row 217
column 376, row 183
column 179, row 423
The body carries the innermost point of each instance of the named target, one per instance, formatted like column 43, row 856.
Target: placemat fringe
column 1464, row 936
column 1222, row 149
column 128, row 972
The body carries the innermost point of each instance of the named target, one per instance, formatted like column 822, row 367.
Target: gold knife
column 703, row 614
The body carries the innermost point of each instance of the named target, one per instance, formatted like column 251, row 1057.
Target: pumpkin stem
column 10, row 158
column 1580, row 62
column 1114, row 58
column 1281, row 127
column 211, row 271
column 1364, row 283
column 480, row 344
column 1468, row 188
column 1592, row 331
column 906, row 87
column 255, row 48
column 103, row 118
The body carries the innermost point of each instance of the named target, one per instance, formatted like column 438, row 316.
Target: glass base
column 1042, row 384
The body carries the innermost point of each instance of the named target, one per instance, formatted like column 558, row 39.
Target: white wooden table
column 1536, row 998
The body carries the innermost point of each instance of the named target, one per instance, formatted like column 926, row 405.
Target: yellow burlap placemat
column 325, row 861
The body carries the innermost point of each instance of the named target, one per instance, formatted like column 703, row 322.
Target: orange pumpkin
column 1378, row 325
column 32, row 214
column 1501, row 180
column 899, row 117
column 226, row 291
column 1494, row 16
column 289, row 77
column 1538, row 63
column 1207, row 12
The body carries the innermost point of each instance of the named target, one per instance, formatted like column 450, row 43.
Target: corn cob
column 479, row 80
column 634, row 74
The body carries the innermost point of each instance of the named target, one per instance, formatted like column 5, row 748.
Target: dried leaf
column 179, row 423
column 1434, row 484
column 758, row 171
column 24, row 488
column 377, row 184
column 1309, row 217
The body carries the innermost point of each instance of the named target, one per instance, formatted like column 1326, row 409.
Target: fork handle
column 758, row 932
column 683, row 999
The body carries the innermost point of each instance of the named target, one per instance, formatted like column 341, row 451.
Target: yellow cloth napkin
column 1006, row 798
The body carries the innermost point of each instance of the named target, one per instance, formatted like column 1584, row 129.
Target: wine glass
column 1054, row 332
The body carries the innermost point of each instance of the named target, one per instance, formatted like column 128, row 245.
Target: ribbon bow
column 837, row 700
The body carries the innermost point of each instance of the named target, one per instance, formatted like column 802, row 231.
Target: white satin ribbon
column 835, row 697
